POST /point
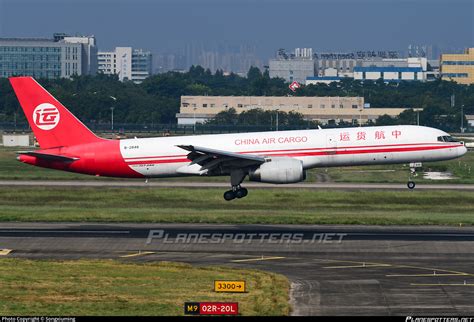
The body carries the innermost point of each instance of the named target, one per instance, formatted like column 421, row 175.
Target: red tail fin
column 51, row 122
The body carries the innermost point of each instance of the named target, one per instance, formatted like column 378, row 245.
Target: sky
column 324, row 25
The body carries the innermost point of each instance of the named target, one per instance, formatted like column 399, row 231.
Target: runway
column 334, row 270
column 160, row 183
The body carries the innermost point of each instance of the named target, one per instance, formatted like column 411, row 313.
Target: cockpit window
column 447, row 138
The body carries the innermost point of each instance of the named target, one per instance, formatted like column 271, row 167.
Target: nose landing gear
column 413, row 166
column 411, row 185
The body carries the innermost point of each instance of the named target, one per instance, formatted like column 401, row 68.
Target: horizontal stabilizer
column 48, row 157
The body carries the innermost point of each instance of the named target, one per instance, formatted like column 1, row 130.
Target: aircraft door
column 331, row 148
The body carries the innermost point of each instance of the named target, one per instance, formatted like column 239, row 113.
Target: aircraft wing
column 211, row 159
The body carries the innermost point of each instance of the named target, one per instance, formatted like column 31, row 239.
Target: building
column 458, row 67
column 296, row 69
column 322, row 80
column 127, row 63
column 61, row 56
column 292, row 67
column 389, row 74
column 198, row 109
column 470, row 120
column 389, row 69
column 88, row 52
column 344, row 62
column 330, row 75
column 418, row 62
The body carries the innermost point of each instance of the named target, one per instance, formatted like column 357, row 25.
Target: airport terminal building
column 198, row 109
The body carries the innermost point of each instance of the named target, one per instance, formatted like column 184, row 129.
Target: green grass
column 462, row 169
column 272, row 206
column 107, row 287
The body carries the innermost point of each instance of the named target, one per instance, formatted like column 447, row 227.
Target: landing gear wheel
column 229, row 195
column 242, row 192
column 411, row 185
column 236, row 178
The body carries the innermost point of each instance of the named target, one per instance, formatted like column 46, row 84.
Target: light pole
column 462, row 118
column 360, row 117
column 112, row 109
column 112, row 120
column 194, row 120
column 417, row 110
column 277, row 120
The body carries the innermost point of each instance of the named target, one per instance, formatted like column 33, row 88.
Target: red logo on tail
column 46, row 116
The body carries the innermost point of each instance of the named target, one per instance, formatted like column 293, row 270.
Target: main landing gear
column 236, row 192
column 236, row 178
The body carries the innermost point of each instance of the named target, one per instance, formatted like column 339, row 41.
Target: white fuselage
column 161, row 157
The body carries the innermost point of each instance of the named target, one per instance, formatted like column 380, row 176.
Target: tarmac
column 334, row 270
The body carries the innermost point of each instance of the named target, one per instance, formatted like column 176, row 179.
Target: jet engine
column 279, row 170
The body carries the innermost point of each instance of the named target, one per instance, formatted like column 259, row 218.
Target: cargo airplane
column 270, row 157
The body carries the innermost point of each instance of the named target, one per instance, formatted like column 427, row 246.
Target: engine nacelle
column 279, row 170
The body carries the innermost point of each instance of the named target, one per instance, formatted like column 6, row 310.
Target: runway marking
column 413, row 234
column 256, row 259
column 435, row 272
column 424, row 275
column 360, row 266
column 67, row 231
column 137, row 254
column 453, row 284
column 444, row 272
column 5, row 252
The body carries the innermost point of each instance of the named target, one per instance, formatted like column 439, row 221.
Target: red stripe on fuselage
column 287, row 150
column 335, row 151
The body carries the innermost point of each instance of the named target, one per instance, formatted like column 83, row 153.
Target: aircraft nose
column 462, row 150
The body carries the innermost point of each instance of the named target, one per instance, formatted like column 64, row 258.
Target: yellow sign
column 229, row 286
column 5, row 252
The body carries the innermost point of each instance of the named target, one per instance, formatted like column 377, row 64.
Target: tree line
column 157, row 99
